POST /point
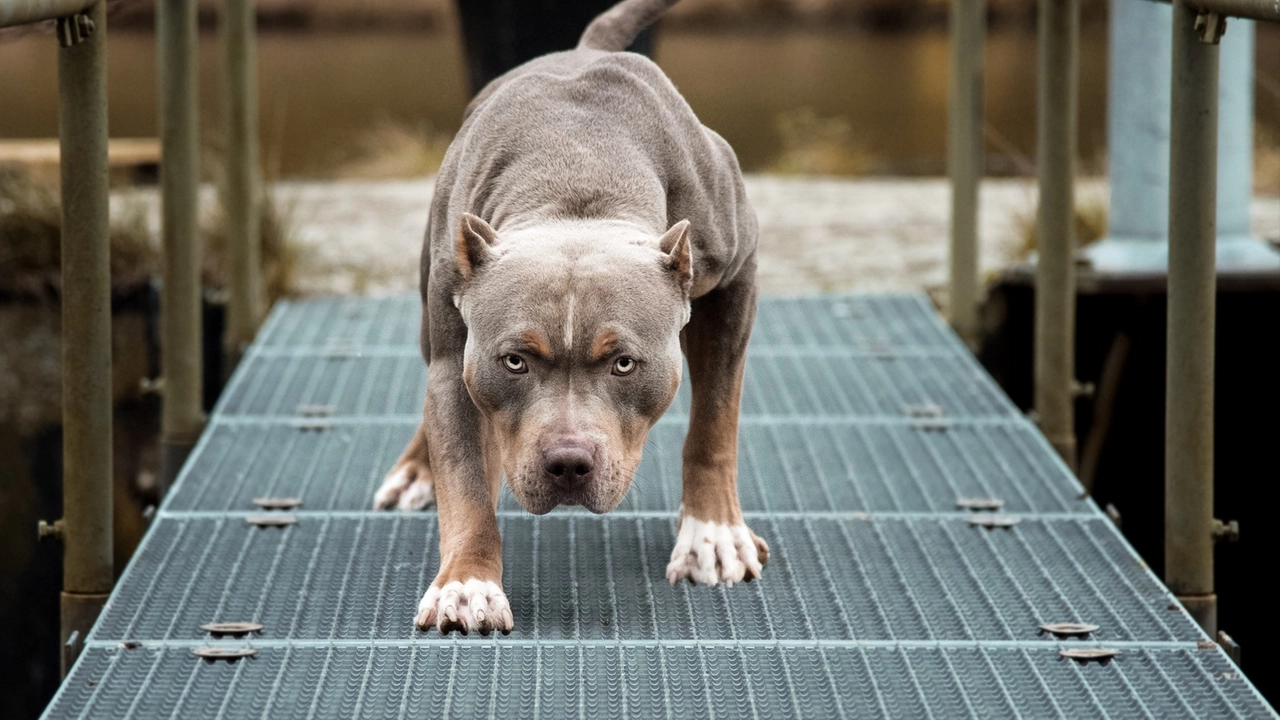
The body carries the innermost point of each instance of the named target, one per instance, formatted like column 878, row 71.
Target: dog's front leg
column 713, row 544
column 467, row 592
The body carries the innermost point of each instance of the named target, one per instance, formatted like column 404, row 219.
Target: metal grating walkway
column 864, row 419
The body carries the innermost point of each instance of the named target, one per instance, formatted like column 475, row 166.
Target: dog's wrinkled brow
column 604, row 345
column 533, row 342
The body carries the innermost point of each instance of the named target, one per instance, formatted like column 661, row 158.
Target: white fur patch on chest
column 711, row 552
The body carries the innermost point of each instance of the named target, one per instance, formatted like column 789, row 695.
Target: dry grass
column 31, row 242
column 31, row 238
column 816, row 145
column 279, row 250
column 1090, row 216
column 1266, row 160
column 391, row 149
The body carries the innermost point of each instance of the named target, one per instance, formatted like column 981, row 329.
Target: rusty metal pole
column 1193, row 141
column 242, row 192
column 964, row 161
column 87, row 571
column 1058, row 37
column 181, row 333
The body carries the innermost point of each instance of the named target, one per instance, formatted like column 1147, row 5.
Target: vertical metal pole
column 86, row 331
column 241, row 194
column 964, row 161
column 1193, row 140
column 180, row 312
column 1059, row 42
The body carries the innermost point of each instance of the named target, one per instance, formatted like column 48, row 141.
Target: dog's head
column 573, row 349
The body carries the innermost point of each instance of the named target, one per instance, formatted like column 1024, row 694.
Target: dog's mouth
column 540, row 497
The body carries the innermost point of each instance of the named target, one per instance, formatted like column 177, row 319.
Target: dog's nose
column 568, row 464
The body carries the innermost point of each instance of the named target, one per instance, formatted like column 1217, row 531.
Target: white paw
column 711, row 552
column 406, row 487
column 473, row 605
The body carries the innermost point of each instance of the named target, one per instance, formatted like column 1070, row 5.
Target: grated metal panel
column 913, row 578
column 837, row 466
column 880, row 598
column 880, row 323
column 776, row 385
column 487, row 678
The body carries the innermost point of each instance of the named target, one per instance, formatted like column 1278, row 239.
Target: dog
column 586, row 230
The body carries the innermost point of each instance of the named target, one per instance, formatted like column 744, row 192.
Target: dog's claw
column 477, row 605
column 711, row 553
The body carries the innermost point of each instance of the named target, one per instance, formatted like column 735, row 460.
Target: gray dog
column 585, row 229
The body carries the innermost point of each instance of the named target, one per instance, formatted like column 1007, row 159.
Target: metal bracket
column 1082, row 389
column 70, row 650
column 271, row 520
column 273, row 503
column 994, row 521
column 979, row 504
column 314, row 411
column 74, row 29
column 1084, row 655
column 1113, row 513
column 1230, row 647
column 213, row 654
column 236, row 629
column 1229, row 531
column 1065, row 630
column 49, row 531
column 1210, row 26
column 924, row 410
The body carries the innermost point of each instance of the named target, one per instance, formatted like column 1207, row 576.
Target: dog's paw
column 711, row 552
column 473, row 605
column 407, row 487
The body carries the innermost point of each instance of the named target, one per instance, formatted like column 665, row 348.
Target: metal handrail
column 1265, row 10
column 22, row 12
column 86, row 526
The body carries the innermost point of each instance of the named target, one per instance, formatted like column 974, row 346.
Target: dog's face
column 573, row 351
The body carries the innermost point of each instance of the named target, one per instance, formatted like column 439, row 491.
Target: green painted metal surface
column 865, row 420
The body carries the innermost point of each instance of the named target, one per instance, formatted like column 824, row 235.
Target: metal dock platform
column 864, row 420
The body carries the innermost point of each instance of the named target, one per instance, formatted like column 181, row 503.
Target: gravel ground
column 816, row 234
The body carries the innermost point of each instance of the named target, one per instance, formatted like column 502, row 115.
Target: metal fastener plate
column 931, row 424
column 924, row 410
column 995, row 521
column 272, row 503
column 223, row 653
column 1084, row 655
column 231, row 628
column 979, row 503
column 1069, row 629
column 271, row 520
column 315, row 410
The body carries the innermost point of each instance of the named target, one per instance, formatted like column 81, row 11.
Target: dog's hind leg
column 713, row 544
column 408, row 486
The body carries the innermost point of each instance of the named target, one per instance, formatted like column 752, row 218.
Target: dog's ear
column 474, row 245
column 679, row 253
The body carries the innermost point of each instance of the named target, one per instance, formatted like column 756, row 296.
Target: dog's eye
column 624, row 366
column 515, row 363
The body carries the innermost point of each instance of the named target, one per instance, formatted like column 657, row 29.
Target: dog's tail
column 616, row 28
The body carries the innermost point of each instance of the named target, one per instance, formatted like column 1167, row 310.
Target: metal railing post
column 87, row 572
column 242, row 192
column 180, row 313
column 1193, row 141
column 967, row 20
column 1058, row 37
